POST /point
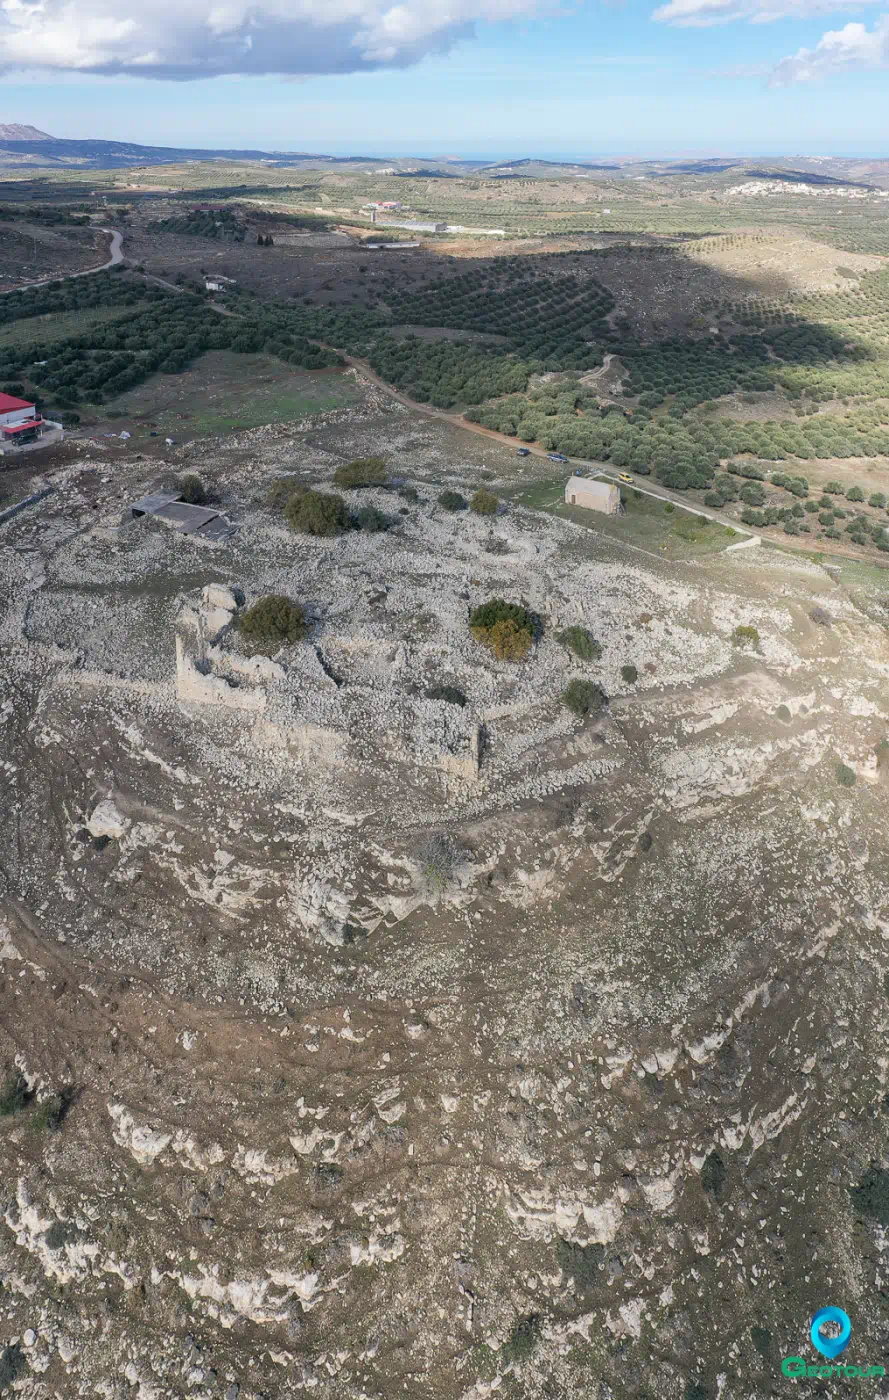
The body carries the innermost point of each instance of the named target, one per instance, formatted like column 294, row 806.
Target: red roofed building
column 19, row 420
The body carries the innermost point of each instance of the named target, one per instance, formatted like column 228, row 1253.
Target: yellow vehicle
column 622, row 476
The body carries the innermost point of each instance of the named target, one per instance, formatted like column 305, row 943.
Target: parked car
column 556, row 457
column 623, row 476
column 524, row 452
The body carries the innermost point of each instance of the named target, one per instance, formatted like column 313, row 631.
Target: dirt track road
column 457, row 420
column 116, row 251
column 598, row 468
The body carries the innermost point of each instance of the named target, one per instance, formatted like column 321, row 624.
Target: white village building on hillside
column 593, row 495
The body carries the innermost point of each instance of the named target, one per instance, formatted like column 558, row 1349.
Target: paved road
column 116, row 258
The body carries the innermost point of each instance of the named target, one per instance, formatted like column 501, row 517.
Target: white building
column 593, row 495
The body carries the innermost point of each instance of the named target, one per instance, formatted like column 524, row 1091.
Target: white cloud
column 701, row 13
column 853, row 46
column 204, row 38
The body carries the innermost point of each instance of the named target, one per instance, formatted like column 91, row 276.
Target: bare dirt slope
column 777, row 262
column 372, row 1045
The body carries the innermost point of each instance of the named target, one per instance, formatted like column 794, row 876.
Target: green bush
column 439, row 858
column 762, row 1340
column 522, row 1340
column 698, row 1389
column 366, row 471
column 871, row 1196
column 51, row 1114
column 281, row 490
column 409, row 493
column 484, row 503
column 714, row 1175
column 372, row 520
column 629, row 674
column 191, row 489
column 581, row 642
column 877, row 500
column 12, row 1365
column 745, row 636
column 854, row 493
column 845, row 775
column 581, row 1262
column 583, row 698
column 273, row 622
column 452, row 500
column 753, row 495
column 506, row 629
column 15, row 1094
column 316, row 513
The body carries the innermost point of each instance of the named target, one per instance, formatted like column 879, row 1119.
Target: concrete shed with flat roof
column 203, row 522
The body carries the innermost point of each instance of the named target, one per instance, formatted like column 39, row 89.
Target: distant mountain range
column 12, row 131
column 24, row 148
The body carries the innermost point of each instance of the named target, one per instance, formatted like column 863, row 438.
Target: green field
column 224, row 391
column 673, row 534
column 58, row 325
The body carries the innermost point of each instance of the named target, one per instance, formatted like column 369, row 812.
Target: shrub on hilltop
column 714, row 1175
column 281, row 490
column 580, row 1262
column 438, row 858
column 371, row 520
column 583, row 698
column 484, row 503
column 506, row 629
column 191, row 489
column 452, row 500
column 365, row 471
column 871, row 1196
column 318, row 513
column 581, row 642
column 273, row 622
column 522, row 1340
column 15, row 1095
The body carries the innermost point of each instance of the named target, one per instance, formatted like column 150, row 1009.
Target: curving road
column 116, row 251
column 457, row 420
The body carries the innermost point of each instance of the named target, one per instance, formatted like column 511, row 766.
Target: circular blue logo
column 830, row 1346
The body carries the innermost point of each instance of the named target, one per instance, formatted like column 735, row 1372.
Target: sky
column 468, row 78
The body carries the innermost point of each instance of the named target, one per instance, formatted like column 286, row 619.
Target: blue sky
column 600, row 79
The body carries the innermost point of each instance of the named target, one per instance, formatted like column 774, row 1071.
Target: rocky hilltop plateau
column 360, row 1042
